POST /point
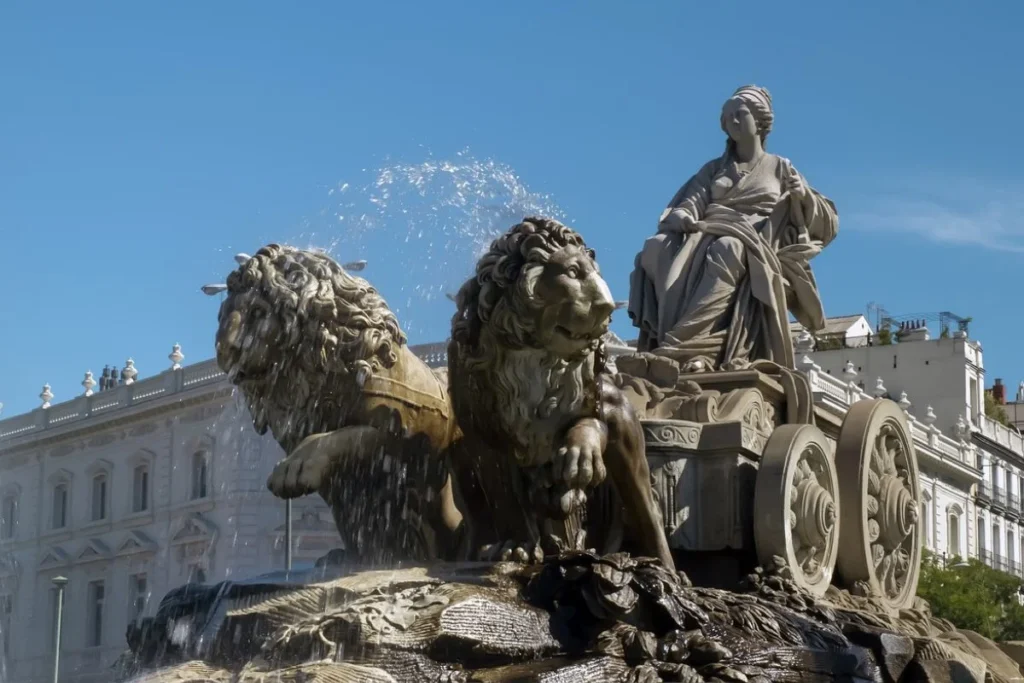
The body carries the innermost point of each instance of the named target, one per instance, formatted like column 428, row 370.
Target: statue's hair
column 331, row 319
column 759, row 101
column 496, row 313
column 513, row 265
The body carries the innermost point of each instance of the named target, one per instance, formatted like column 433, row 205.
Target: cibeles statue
column 732, row 253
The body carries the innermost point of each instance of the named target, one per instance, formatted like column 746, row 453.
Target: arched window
column 995, row 541
column 60, row 506
column 1011, row 555
column 140, row 488
column 200, row 475
column 99, row 497
column 981, row 535
column 953, row 547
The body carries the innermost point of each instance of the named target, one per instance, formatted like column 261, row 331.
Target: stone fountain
column 531, row 514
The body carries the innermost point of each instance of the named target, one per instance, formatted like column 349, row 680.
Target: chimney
column 999, row 392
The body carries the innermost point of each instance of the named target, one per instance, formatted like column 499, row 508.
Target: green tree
column 884, row 335
column 995, row 411
column 973, row 596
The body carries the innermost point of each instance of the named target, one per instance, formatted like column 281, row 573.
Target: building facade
column 129, row 492
column 974, row 501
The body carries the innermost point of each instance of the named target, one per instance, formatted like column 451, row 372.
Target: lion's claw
column 511, row 551
column 579, row 463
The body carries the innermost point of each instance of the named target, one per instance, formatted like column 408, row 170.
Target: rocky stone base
column 577, row 617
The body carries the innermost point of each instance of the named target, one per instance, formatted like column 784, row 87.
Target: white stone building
column 129, row 492
column 974, row 500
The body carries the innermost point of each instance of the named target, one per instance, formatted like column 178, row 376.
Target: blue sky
column 143, row 144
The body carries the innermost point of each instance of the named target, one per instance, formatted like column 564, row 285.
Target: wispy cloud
column 955, row 212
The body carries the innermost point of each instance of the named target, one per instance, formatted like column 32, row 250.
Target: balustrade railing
column 167, row 383
column 1004, row 436
column 833, row 390
column 985, row 491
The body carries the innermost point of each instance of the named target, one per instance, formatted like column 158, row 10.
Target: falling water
column 421, row 226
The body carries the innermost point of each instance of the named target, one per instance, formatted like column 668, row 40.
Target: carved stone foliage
column 576, row 618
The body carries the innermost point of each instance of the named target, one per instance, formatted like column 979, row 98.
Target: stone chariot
column 748, row 471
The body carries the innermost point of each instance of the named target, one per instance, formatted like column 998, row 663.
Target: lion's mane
column 493, row 388
column 331, row 327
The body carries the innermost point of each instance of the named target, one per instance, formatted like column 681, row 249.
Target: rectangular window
column 94, row 634
column 140, row 493
column 6, row 609
column 10, row 513
column 99, row 498
column 199, row 475
column 973, row 407
column 140, row 596
column 60, row 506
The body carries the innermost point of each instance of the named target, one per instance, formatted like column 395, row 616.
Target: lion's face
column 249, row 338
column 572, row 303
column 290, row 333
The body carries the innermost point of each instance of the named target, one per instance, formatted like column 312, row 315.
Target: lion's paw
column 302, row 472
column 579, row 463
column 512, row 551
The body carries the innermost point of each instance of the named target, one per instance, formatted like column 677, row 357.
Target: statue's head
column 537, row 287
column 748, row 113
column 293, row 322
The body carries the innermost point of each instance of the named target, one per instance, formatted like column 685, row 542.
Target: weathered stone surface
column 937, row 662
column 1014, row 649
column 575, row 618
column 1002, row 667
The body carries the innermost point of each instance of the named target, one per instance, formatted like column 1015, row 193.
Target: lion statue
column 321, row 361
column 541, row 422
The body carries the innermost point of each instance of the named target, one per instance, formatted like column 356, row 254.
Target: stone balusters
column 933, row 431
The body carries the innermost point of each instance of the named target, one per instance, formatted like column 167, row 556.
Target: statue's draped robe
column 726, row 264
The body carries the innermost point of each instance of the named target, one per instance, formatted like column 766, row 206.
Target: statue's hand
column 303, row 471
column 797, row 187
column 580, row 462
column 674, row 221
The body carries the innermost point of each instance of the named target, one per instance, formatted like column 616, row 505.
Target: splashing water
column 422, row 226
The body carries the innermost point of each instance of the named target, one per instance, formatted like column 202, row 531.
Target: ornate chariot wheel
column 796, row 515
column 880, row 554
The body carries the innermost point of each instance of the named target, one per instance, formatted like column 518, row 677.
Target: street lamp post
column 288, row 534
column 60, row 582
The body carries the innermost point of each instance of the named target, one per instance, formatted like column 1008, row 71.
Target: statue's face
column 573, row 303
column 739, row 121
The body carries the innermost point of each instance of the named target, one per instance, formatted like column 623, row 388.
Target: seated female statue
column 732, row 254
